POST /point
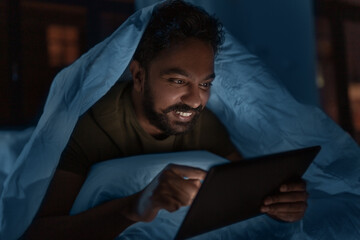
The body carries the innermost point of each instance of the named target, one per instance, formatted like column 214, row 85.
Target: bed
column 259, row 113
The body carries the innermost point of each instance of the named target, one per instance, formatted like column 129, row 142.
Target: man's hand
column 175, row 186
column 289, row 204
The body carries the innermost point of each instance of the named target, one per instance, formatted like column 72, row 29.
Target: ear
column 138, row 75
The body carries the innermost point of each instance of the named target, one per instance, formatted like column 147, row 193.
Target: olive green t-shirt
column 110, row 130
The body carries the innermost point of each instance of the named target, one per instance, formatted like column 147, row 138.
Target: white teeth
column 184, row 114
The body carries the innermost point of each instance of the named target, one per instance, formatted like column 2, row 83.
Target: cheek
column 165, row 97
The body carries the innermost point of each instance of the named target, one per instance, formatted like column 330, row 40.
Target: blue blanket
column 261, row 116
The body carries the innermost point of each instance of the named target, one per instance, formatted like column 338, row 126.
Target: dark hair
column 173, row 22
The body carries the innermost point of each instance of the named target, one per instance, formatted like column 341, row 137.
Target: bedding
column 259, row 113
column 329, row 216
column 11, row 144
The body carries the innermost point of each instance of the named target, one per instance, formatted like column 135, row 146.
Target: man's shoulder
column 103, row 112
column 110, row 102
column 93, row 139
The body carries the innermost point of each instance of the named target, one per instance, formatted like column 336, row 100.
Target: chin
column 182, row 128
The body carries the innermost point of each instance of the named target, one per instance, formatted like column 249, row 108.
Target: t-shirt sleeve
column 215, row 135
column 74, row 157
column 86, row 146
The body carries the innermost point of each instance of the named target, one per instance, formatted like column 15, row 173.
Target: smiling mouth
column 184, row 114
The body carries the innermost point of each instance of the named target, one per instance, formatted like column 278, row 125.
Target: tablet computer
column 235, row 191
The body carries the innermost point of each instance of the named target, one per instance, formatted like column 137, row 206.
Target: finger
column 195, row 185
column 284, row 208
column 288, row 197
column 187, row 172
column 175, row 180
column 288, row 217
column 174, row 197
column 180, row 189
column 293, row 186
column 167, row 202
column 186, row 190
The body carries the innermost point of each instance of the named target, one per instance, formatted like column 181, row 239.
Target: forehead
column 194, row 56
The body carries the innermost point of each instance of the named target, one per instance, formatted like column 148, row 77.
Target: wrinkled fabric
column 329, row 216
column 259, row 114
column 11, row 144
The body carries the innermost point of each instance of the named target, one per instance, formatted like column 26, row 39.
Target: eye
column 177, row 81
column 206, row 85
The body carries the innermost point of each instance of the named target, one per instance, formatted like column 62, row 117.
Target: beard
column 161, row 120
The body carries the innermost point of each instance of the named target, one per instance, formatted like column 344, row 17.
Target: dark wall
column 38, row 39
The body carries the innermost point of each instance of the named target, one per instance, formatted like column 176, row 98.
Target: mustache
column 183, row 108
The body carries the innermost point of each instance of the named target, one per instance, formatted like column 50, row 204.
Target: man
column 161, row 110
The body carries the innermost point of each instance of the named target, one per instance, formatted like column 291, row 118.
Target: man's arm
column 169, row 190
column 53, row 220
column 289, row 204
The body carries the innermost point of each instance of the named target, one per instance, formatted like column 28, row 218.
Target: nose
column 192, row 97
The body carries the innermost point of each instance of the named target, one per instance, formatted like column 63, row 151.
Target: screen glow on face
column 177, row 86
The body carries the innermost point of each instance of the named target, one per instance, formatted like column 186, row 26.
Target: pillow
column 125, row 176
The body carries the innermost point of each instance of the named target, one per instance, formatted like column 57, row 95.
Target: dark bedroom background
column 40, row 37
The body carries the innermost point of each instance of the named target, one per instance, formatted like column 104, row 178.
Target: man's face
column 177, row 86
